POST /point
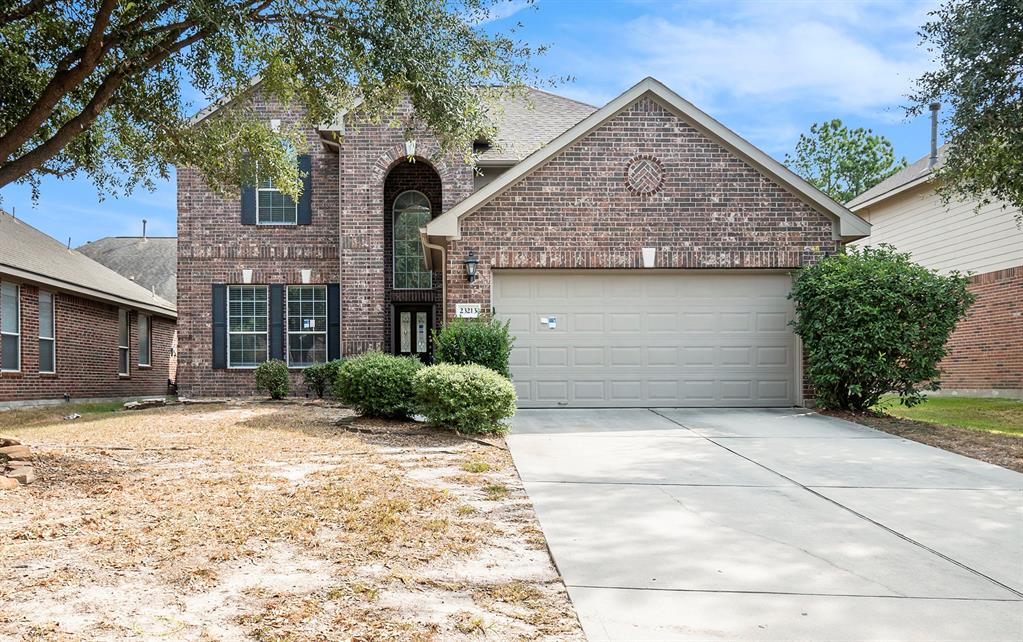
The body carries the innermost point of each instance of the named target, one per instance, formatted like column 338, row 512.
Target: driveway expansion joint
column 794, row 593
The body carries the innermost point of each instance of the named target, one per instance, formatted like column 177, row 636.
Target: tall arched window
column 411, row 212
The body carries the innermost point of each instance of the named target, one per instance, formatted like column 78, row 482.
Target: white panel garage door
column 630, row 338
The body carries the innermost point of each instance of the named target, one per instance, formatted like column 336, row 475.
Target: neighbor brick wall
column 986, row 349
column 87, row 356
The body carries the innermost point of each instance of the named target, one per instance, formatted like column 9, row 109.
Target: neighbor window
column 246, row 325
column 47, row 335
column 411, row 212
column 123, row 350
column 307, row 325
column 273, row 207
column 10, row 327
column 145, row 353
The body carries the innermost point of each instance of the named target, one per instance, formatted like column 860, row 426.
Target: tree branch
column 24, row 11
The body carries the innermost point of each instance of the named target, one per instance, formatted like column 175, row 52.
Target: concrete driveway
column 782, row 524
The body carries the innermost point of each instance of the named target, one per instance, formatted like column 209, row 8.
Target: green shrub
column 320, row 377
column 377, row 384
column 272, row 377
column 469, row 398
column 480, row 341
column 874, row 322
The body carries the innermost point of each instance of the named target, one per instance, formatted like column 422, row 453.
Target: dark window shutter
column 277, row 322
column 219, row 326
column 305, row 202
column 248, row 205
column 333, row 321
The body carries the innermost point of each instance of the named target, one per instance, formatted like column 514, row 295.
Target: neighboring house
column 986, row 350
column 70, row 327
column 641, row 251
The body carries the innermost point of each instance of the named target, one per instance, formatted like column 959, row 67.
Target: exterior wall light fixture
column 471, row 263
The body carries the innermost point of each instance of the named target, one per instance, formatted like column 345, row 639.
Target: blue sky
column 767, row 69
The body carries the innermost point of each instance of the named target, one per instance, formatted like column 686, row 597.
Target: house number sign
column 467, row 310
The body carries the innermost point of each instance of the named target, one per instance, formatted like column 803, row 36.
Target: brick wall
column 87, row 355
column 986, row 349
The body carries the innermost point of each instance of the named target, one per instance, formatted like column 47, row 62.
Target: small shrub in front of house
column 272, row 378
column 469, row 398
column 319, row 378
column 485, row 342
column 874, row 322
column 377, row 384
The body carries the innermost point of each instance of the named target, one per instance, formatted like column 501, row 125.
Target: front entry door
column 413, row 331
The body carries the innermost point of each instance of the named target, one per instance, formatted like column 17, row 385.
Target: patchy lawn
column 975, row 413
column 259, row 521
column 990, row 430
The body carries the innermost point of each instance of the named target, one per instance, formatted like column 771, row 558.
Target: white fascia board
column 919, row 180
column 90, row 293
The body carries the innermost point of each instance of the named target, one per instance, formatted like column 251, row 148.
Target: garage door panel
column 682, row 338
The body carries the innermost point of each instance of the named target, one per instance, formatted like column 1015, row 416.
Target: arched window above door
column 411, row 212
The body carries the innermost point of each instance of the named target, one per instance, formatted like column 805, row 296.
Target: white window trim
column 53, row 331
column 127, row 344
column 149, row 340
column 17, row 295
column 394, row 229
column 287, row 318
column 271, row 189
column 227, row 323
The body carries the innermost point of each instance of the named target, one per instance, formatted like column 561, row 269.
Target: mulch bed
column 994, row 448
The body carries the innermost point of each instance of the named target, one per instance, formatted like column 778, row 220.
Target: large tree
column 101, row 86
column 843, row 162
column 978, row 55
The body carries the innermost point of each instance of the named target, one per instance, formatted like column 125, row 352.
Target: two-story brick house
column 641, row 251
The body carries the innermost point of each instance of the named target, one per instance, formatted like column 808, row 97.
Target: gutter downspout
column 933, row 160
column 443, row 274
column 340, row 237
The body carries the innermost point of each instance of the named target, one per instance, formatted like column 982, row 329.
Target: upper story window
column 273, row 207
column 47, row 333
column 247, row 322
column 123, row 349
column 10, row 327
column 307, row 325
column 411, row 212
column 145, row 341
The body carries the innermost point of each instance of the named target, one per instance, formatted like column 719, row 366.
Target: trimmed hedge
column 272, row 377
column 479, row 341
column 377, row 384
column 469, row 398
column 320, row 377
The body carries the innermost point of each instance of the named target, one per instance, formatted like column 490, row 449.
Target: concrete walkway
column 780, row 524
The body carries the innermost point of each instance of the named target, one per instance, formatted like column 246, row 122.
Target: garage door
column 629, row 338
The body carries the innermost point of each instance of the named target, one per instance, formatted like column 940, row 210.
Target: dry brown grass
column 268, row 522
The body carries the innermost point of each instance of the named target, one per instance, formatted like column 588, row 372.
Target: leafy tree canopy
column 978, row 51
column 96, row 86
column 841, row 162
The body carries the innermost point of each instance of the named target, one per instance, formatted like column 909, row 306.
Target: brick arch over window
column 451, row 173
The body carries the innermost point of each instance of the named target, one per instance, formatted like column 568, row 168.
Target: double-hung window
column 10, row 327
column 246, row 325
column 411, row 212
column 123, row 348
column 273, row 207
column 307, row 325
column 145, row 343
column 47, row 333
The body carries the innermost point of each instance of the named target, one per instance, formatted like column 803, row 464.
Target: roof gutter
column 87, row 292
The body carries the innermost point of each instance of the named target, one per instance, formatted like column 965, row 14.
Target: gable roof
column 150, row 261
column 848, row 226
column 27, row 253
column 525, row 123
column 907, row 177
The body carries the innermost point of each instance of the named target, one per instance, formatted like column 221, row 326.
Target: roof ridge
column 551, row 93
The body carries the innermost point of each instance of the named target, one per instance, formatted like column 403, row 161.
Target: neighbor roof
column 848, row 226
column 27, row 253
column 898, row 182
column 150, row 261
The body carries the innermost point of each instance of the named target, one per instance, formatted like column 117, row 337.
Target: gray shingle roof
column 525, row 123
column 28, row 252
column 149, row 261
column 902, row 177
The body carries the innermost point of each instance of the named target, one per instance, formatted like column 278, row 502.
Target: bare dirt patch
column 995, row 448
column 269, row 522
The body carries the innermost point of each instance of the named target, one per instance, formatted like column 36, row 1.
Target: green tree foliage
column 978, row 54
column 874, row 322
column 480, row 341
column 841, row 162
column 98, row 86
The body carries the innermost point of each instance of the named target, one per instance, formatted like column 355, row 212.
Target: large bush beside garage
column 485, row 342
column 469, row 398
column 377, row 384
column 874, row 322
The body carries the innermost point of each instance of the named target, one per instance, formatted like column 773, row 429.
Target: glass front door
column 413, row 331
